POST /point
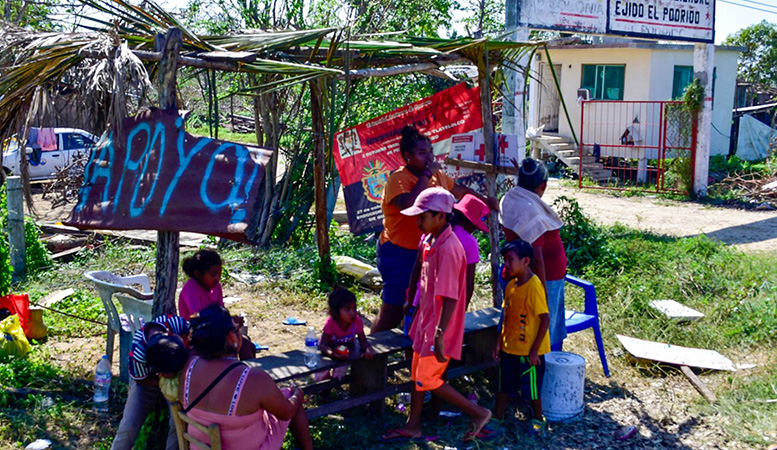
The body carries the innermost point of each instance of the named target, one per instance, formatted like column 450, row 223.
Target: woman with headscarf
column 524, row 215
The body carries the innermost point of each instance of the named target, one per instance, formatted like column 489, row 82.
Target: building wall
column 662, row 70
column 648, row 76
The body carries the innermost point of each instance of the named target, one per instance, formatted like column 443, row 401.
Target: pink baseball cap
column 475, row 210
column 431, row 199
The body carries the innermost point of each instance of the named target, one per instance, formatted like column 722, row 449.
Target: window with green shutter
column 683, row 76
column 605, row 81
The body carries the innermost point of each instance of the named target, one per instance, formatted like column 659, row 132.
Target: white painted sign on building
column 580, row 16
column 683, row 20
column 691, row 20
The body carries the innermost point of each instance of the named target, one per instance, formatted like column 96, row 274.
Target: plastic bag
column 13, row 342
column 18, row 304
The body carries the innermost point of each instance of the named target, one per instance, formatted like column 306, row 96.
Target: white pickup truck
column 72, row 143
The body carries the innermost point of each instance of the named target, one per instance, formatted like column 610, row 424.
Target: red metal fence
column 647, row 146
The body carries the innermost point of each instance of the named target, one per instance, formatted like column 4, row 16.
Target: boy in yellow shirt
column 523, row 340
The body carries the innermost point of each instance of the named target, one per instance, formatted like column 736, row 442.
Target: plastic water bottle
column 311, row 348
column 102, row 384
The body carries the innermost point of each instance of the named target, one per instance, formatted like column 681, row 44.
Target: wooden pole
column 15, row 201
column 488, row 141
column 167, row 250
column 319, row 173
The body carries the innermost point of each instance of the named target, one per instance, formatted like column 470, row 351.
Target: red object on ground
column 18, row 304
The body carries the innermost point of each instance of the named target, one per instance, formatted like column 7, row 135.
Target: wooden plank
column 480, row 167
column 698, row 384
column 481, row 319
column 353, row 402
column 56, row 296
column 675, row 311
column 66, row 253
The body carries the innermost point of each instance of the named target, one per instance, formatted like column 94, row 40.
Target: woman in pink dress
column 214, row 387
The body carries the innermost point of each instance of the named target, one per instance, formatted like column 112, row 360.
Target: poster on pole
column 152, row 175
column 367, row 153
column 682, row 20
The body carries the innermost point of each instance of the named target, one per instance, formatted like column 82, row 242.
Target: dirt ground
column 664, row 409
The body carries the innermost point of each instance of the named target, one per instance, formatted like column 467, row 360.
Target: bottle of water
column 102, row 385
column 311, row 348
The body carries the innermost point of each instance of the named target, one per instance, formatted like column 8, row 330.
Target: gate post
column 703, row 63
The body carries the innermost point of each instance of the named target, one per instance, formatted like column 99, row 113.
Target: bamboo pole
column 167, row 251
column 319, row 174
column 488, row 141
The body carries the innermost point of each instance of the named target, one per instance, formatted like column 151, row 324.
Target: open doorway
column 550, row 103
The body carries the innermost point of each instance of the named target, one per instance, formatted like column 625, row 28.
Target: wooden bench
column 370, row 381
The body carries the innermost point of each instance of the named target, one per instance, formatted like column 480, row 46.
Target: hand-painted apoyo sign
column 367, row 153
column 681, row 20
column 155, row 176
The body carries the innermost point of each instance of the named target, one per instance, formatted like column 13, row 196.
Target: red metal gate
column 647, row 146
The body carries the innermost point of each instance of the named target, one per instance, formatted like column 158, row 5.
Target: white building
column 630, row 71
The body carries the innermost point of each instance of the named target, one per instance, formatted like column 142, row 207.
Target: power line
column 749, row 7
column 759, row 3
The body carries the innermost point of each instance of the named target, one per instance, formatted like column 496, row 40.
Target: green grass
column 737, row 291
column 226, row 135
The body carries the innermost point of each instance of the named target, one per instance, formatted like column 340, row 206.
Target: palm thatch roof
column 106, row 58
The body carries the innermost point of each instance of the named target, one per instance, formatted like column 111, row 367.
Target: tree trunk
column 319, row 173
column 488, row 140
column 167, row 252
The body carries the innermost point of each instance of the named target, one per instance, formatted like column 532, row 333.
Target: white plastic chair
column 107, row 284
column 138, row 311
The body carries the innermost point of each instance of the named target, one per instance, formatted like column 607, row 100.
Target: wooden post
column 319, row 174
column 488, row 141
column 167, row 241
column 15, row 200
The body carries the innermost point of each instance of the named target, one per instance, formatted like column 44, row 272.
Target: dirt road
column 747, row 230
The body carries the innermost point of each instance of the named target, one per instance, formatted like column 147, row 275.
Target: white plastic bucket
column 563, row 386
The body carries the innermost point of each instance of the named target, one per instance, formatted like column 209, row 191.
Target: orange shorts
column 427, row 372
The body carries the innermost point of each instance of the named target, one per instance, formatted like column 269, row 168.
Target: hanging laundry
column 47, row 139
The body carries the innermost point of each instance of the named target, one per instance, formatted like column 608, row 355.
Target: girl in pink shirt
column 204, row 289
column 343, row 335
column 204, row 286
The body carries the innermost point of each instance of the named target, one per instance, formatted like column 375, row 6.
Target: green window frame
column 683, row 76
column 604, row 81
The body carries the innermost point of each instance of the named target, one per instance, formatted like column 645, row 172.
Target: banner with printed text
column 366, row 154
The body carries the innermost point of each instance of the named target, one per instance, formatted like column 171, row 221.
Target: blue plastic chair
column 589, row 318
column 577, row 321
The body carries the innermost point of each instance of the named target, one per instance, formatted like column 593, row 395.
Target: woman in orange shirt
column 398, row 244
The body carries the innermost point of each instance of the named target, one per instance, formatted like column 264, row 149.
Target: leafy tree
column 488, row 18
column 29, row 13
column 757, row 62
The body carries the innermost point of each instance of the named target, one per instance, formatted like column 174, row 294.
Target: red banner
column 367, row 153
column 155, row 176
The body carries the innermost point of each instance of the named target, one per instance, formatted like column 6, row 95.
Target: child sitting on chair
column 343, row 336
column 523, row 339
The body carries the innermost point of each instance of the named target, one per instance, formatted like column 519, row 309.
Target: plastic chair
column 107, row 284
column 576, row 321
column 138, row 311
column 589, row 318
column 185, row 439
